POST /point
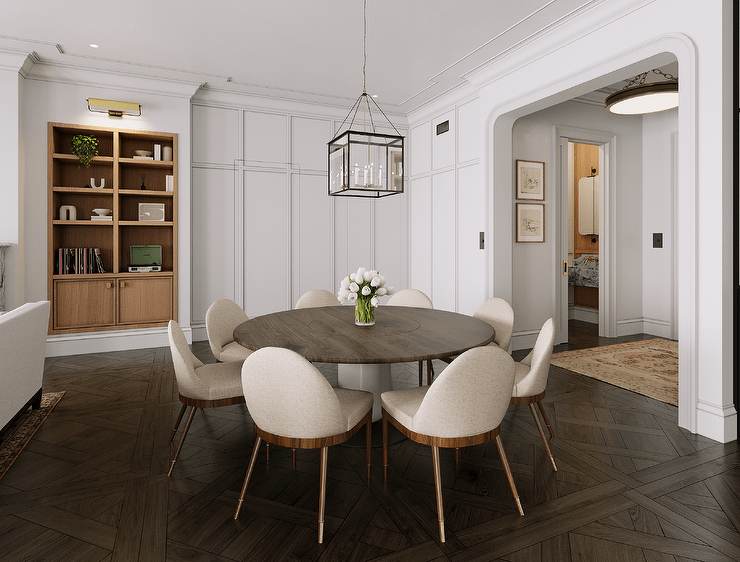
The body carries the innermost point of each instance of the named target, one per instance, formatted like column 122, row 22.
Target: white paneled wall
column 447, row 210
column 264, row 229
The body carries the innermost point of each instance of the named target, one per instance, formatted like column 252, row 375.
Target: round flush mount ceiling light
column 644, row 98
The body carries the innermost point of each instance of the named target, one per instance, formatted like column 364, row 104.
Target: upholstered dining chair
column 317, row 297
column 464, row 406
column 531, row 380
column 221, row 318
column 200, row 386
column 417, row 299
column 293, row 405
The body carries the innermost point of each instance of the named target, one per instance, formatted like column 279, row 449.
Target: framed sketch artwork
column 530, row 180
column 530, row 222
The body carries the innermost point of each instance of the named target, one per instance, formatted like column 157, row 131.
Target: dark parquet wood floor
column 92, row 485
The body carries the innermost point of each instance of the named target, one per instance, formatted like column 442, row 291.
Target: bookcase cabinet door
column 84, row 303
column 144, row 300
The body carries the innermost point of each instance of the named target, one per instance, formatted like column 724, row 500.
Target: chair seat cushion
column 523, row 385
column 222, row 380
column 355, row 404
column 403, row 404
column 234, row 352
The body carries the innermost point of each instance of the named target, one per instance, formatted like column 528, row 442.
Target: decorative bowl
column 101, row 212
column 143, row 152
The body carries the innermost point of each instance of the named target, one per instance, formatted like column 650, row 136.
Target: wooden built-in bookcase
column 116, row 299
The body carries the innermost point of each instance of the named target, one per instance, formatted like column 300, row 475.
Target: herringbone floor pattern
column 92, row 485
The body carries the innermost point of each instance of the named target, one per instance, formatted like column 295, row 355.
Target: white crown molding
column 555, row 36
column 130, row 82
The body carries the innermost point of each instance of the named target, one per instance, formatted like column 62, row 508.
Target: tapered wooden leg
column 385, row 446
column 177, row 423
column 509, row 475
column 421, row 369
column 322, row 491
column 368, row 442
column 191, row 414
column 248, row 476
column 438, row 491
column 430, row 372
column 542, row 435
column 544, row 417
column 457, row 454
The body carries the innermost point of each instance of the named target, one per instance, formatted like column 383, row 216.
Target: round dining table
column 365, row 353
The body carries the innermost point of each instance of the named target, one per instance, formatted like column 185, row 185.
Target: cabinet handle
column 123, row 284
column 565, row 267
column 109, row 284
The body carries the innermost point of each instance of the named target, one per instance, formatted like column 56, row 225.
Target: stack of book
column 101, row 218
column 79, row 261
column 169, row 182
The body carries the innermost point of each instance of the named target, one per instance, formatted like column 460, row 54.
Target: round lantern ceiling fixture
column 637, row 97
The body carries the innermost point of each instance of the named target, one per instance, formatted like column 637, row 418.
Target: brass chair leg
column 293, row 459
column 544, row 416
column 177, row 423
column 267, row 452
column 438, row 491
column 322, row 491
column 385, row 446
column 509, row 475
column 368, row 443
column 542, row 435
column 188, row 421
column 248, row 476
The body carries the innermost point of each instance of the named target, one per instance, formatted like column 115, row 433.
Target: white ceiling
column 295, row 49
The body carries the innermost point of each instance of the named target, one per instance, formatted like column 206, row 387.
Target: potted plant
column 85, row 147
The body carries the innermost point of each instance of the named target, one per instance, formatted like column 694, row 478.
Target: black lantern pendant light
column 365, row 163
column 637, row 97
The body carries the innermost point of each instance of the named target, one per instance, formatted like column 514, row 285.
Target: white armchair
column 23, row 350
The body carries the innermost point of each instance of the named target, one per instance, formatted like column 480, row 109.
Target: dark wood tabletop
column 400, row 334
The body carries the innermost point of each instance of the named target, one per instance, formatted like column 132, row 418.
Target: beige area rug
column 25, row 428
column 649, row 367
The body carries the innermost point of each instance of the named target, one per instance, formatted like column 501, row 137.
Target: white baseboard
column 60, row 345
column 590, row 315
column 716, row 422
column 652, row 326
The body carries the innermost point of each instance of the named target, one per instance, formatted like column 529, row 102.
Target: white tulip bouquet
column 363, row 289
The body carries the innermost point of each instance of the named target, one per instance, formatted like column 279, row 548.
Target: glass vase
column 364, row 313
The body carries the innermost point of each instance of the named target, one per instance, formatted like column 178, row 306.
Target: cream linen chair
column 499, row 314
column 221, row 318
column 463, row 407
column 417, row 299
column 293, row 405
column 317, row 297
column 531, row 380
column 199, row 385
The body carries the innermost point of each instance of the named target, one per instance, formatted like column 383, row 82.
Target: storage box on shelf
column 113, row 299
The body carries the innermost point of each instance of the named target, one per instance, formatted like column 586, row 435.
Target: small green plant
column 85, row 147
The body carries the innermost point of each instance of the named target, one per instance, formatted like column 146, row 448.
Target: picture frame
column 530, row 180
column 530, row 222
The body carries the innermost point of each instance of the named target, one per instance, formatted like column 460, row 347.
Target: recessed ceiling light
column 93, row 45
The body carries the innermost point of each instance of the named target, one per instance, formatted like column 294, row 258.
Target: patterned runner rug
column 648, row 367
column 20, row 434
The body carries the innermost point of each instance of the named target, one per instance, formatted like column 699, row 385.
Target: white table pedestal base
column 375, row 378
